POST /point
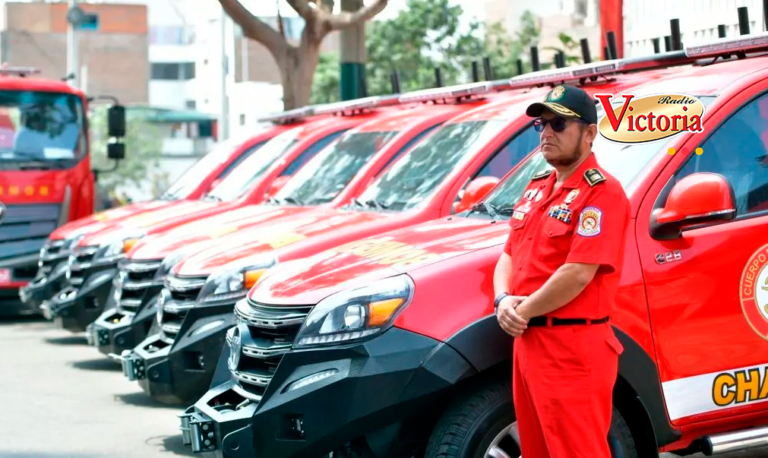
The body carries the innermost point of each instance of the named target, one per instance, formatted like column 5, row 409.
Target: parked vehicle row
column 332, row 294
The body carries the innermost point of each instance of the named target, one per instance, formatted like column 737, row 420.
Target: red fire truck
column 388, row 346
column 46, row 178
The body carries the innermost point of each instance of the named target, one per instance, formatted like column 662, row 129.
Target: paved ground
column 60, row 398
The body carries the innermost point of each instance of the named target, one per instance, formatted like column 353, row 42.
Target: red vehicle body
column 193, row 185
column 481, row 160
column 377, row 143
column 46, row 178
column 93, row 264
column 691, row 311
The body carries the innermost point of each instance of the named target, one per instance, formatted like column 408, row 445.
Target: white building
column 645, row 20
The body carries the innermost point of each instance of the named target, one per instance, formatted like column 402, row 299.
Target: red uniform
column 563, row 374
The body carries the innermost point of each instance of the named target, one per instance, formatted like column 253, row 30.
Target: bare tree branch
column 347, row 19
column 304, row 9
column 253, row 27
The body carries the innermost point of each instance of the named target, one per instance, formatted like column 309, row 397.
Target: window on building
column 173, row 71
column 191, row 104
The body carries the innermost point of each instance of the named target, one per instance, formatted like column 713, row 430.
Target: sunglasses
column 558, row 124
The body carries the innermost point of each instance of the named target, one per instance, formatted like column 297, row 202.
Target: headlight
column 233, row 283
column 117, row 248
column 356, row 314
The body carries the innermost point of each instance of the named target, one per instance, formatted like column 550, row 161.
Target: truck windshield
column 625, row 161
column 199, row 171
column 41, row 128
column 245, row 175
column 419, row 172
column 326, row 174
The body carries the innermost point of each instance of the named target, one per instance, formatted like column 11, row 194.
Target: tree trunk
column 297, row 70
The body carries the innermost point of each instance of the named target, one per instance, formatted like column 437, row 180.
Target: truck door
column 708, row 288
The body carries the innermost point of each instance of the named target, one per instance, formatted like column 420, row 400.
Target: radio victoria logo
column 641, row 119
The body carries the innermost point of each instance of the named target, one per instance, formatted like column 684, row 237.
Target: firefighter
column 555, row 285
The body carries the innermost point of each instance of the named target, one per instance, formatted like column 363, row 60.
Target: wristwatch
column 499, row 298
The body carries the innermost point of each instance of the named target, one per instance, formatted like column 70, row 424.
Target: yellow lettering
column 1, row 190
column 747, row 385
column 43, row 190
column 13, row 190
column 722, row 391
column 416, row 260
column 29, row 190
column 764, row 390
column 402, row 256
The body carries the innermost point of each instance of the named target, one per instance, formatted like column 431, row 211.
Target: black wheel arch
column 638, row 389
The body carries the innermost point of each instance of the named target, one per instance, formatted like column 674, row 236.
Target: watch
column 499, row 298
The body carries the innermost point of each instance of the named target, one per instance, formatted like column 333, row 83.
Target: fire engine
column 388, row 345
column 46, row 180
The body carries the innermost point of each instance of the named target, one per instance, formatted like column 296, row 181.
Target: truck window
column 514, row 151
column 737, row 150
column 310, row 152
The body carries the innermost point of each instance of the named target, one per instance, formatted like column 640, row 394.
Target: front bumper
column 386, row 391
column 115, row 331
column 180, row 371
column 22, row 270
column 44, row 287
column 74, row 308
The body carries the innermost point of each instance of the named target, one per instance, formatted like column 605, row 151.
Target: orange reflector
column 129, row 244
column 382, row 311
column 251, row 277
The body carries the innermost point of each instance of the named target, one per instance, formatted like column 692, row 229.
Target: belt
column 554, row 321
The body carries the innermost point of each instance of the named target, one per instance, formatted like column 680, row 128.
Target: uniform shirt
column 584, row 221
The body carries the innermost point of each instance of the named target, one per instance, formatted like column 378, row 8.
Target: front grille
column 24, row 229
column 180, row 296
column 135, row 279
column 51, row 255
column 79, row 261
column 271, row 331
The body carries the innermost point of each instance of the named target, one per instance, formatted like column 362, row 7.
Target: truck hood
column 100, row 220
column 231, row 224
column 276, row 237
column 309, row 280
column 142, row 223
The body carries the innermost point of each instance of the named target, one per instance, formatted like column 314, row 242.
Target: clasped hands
column 511, row 317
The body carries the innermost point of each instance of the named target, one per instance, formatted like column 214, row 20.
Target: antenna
column 487, row 68
column 475, row 72
column 674, row 26
column 612, row 48
column 535, row 59
column 438, row 77
column 656, row 46
column 743, row 20
column 586, row 56
column 395, row 80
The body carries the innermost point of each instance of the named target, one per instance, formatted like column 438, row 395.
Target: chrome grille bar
column 270, row 317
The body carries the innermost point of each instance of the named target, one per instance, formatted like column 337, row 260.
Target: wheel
column 482, row 424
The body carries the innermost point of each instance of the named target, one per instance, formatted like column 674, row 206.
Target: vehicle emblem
column 669, row 256
column 753, row 292
column 235, row 342
column 2, row 212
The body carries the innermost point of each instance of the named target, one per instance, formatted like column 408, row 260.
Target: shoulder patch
column 542, row 174
column 593, row 176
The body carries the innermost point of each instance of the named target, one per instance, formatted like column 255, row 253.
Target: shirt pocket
column 555, row 228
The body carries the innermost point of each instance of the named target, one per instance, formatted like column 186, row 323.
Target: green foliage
column 143, row 145
column 425, row 35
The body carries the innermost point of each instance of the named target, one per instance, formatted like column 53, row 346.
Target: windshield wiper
column 211, row 197
column 292, row 200
column 506, row 210
column 376, row 204
column 485, row 207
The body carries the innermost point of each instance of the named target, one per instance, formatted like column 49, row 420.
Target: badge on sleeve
column 589, row 221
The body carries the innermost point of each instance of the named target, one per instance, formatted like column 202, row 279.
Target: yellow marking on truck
column 740, row 387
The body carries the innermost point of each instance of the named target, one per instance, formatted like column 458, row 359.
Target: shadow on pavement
column 174, row 445
column 5, row 454
column 21, row 319
column 141, row 399
column 101, row 364
column 69, row 340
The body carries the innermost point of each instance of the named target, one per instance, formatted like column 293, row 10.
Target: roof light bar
column 450, row 92
column 19, row 71
column 742, row 43
column 357, row 104
column 285, row 117
column 561, row 75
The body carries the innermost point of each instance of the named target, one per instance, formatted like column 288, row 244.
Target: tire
column 471, row 423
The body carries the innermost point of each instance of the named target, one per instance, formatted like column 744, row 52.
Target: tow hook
column 133, row 365
column 197, row 431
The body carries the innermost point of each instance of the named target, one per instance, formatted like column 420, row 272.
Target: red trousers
column 562, row 386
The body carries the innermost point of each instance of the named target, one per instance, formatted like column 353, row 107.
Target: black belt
column 543, row 321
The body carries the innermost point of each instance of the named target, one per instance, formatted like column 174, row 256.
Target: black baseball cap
column 568, row 102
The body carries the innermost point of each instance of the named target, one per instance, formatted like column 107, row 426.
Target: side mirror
column 116, row 121
column 277, row 185
column 116, row 151
column 475, row 191
column 698, row 199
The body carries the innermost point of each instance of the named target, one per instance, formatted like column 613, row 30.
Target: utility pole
column 353, row 55
column 74, row 18
column 224, row 107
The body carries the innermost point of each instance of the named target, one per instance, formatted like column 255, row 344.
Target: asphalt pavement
column 60, row 398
